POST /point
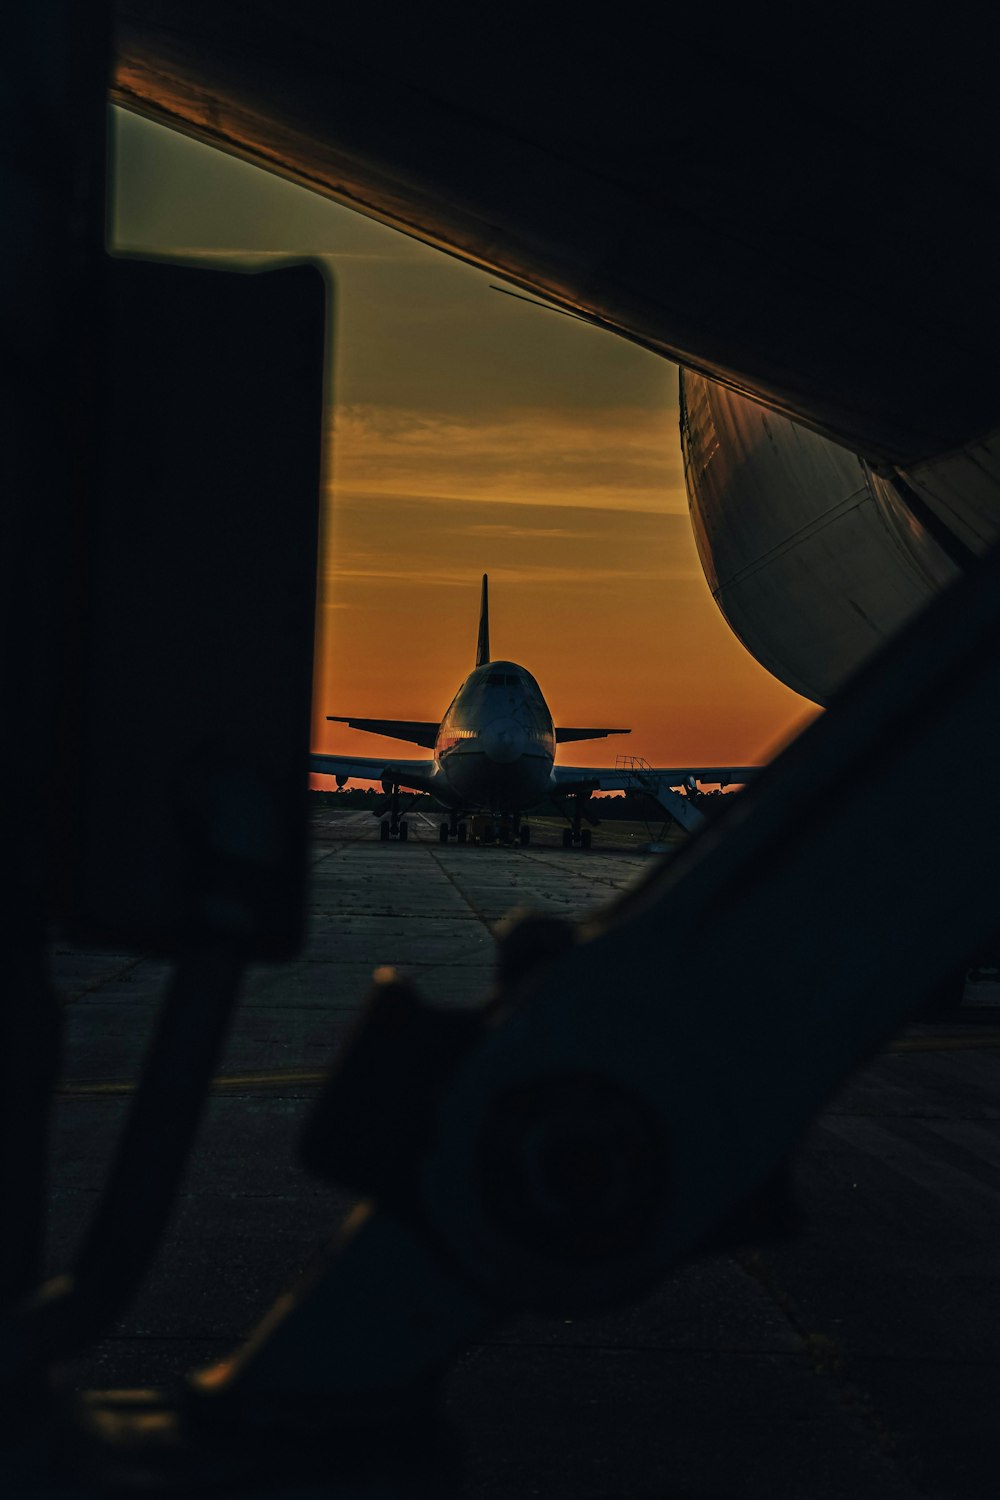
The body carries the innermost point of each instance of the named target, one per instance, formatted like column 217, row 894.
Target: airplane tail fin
column 483, row 646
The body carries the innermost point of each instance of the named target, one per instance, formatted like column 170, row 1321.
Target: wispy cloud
column 237, row 258
column 514, row 529
column 615, row 457
column 440, row 542
column 546, row 574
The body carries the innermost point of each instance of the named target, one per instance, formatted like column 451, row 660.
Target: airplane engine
column 813, row 558
column 962, row 490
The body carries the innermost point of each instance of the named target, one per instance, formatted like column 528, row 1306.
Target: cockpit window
column 502, row 679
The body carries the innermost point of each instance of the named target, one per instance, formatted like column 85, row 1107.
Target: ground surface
column 859, row 1359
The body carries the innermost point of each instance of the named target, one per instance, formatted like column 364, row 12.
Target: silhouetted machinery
column 820, row 257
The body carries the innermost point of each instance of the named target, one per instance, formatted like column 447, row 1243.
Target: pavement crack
column 707, row 1351
column 584, row 874
column 829, row 1355
column 476, row 911
column 101, row 980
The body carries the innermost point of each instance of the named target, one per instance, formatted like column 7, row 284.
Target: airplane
column 494, row 752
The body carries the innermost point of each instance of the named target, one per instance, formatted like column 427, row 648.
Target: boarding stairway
column 640, row 776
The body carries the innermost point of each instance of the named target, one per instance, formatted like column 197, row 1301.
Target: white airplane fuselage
column 494, row 752
column 497, row 742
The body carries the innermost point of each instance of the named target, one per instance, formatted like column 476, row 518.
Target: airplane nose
column 503, row 741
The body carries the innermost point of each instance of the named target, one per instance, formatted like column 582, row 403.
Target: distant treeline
column 627, row 806
column 639, row 807
column 351, row 796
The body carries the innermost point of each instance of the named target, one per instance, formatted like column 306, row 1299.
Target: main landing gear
column 508, row 830
column 454, row 829
column 576, row 834
column 396, row 827
column 484, row 828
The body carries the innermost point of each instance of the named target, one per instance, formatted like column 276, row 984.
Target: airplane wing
column 417, row 731
column 646, row 778
column 563, row 736
column 418, row 775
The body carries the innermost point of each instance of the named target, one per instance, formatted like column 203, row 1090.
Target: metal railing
column 631, row 763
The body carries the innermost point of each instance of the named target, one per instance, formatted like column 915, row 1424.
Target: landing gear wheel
column 463, row 834
column 585, row 838
column 524, row 835
column 403, row 831
column 443, row 835
column 383, row 833
column 567, row 838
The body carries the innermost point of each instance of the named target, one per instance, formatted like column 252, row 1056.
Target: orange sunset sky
column 471, row 432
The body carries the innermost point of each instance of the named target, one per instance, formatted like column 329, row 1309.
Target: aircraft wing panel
column 419, row 775
column 417, row 731
column 563, row 736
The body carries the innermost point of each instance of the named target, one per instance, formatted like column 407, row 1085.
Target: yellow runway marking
column 944, row 1043
column 230, row 1083
column 226, row 1083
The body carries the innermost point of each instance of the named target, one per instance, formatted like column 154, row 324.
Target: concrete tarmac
column 858, row 1359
